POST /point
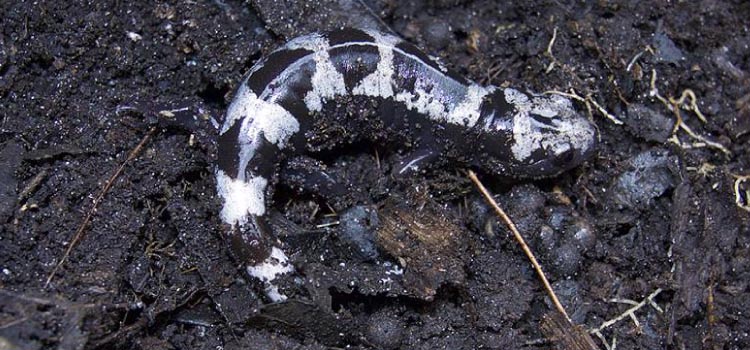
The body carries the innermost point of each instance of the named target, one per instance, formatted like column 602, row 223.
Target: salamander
column 279, row 107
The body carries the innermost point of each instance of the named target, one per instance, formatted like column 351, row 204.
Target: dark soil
column 655, row 213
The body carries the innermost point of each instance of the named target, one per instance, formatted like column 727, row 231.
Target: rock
column 647, row 123
column 649, row 175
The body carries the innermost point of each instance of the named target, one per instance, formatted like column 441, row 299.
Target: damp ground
column 646, row 244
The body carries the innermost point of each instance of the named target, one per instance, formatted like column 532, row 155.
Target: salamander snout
column 545, row 135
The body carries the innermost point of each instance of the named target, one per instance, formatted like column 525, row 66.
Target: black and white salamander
column 276, row 109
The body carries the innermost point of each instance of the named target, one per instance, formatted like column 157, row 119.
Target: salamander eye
column 543, row 122
column 565, row 159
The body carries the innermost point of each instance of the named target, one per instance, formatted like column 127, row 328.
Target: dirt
column 654, row 223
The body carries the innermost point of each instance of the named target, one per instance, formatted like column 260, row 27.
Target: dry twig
column 589, row 101
column 549, row 54
column 649, row 300
column 517, row 235
column 676, row 105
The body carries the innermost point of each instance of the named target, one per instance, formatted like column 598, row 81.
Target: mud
column 654, row 213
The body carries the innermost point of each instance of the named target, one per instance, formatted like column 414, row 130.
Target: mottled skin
column 277, row 107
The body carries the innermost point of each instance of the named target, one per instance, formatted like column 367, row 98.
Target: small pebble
column 648, row 177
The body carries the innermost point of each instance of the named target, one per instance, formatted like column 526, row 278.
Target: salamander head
column 532, row 136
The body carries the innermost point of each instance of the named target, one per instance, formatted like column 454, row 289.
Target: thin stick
column 79, row 233
column 629, row 312
column 549, row 52
column 517, row 235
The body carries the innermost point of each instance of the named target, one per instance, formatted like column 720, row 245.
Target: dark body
column 278, row 112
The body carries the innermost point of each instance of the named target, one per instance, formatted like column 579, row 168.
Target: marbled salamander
column 275, row 109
